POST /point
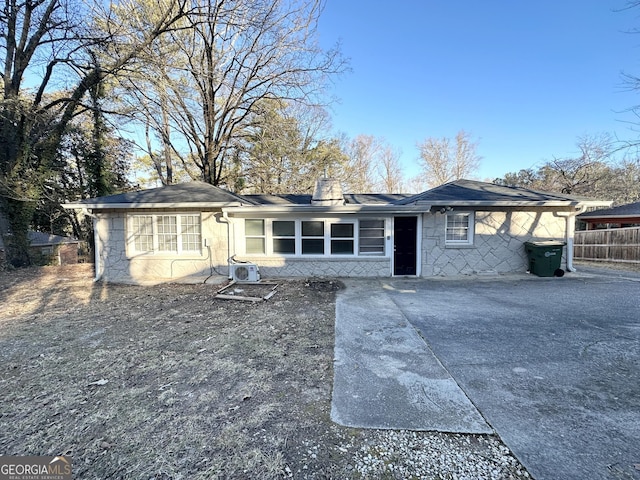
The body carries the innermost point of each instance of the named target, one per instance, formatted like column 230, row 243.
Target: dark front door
column 405, row 245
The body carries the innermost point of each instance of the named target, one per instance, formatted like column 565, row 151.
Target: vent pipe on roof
column 328, row 192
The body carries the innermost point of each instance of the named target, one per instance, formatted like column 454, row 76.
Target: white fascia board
column 155, row 206
column 598, row 203
column 607, row 217
column 524, row 203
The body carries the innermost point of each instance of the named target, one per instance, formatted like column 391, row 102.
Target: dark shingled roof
column 630, row 209
column 460, row 192
column 375, row 198
column 350, row 198
column 472, row 191
column 40, row 239
column 284, row 199
column 192, row 192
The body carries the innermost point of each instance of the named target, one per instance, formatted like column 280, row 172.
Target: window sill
column 459, row 245
column 168, row 255
column 324, row 258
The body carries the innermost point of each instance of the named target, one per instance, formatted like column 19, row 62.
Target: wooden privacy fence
column 610, row 245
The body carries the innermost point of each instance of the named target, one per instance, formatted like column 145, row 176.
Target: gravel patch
column 406, row 454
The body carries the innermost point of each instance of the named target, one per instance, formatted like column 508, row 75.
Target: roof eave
column 66, row 242
column 418, row 206
column 607, row 217
column 517, row 203
column 154, row 206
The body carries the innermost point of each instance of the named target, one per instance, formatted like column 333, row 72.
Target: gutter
column 133, row 205
column 514, row 203
column 225, row 219
column 570, row 229
column 608, row 218
column 415, row 207
column 96, row 256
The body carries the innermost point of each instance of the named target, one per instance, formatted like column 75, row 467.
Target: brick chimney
column 327, row 192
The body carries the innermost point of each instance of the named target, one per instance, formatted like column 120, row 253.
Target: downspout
column 225, row 219
column 96, row 256
column 569, row 233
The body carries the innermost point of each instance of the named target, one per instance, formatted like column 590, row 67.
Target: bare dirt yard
column 168, row 382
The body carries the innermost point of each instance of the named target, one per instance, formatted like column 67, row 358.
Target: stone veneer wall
column 498, row 247
column 118, row 267
column 329, row 267
column 498, row 242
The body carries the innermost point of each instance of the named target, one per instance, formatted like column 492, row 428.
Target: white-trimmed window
column 167, row 233
column 142, row 232
column 459, row 228
column 342, row 238
column 167, row 230
column 255, row 237
column 191, row 232
column 283, row 233
column 371, row 236
column 313, row 237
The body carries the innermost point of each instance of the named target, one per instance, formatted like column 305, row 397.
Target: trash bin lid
column 546, row 243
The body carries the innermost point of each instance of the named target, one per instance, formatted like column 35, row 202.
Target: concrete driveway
column 551, row 364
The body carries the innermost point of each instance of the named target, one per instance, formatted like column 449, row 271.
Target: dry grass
column 624, row 266
column 195, row 385
column 168, row 382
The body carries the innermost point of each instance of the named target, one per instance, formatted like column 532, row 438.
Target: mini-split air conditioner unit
column 245, row 272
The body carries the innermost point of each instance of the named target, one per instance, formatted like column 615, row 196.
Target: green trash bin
column 545, row 258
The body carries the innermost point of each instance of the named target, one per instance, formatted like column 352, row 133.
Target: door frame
column 418, row 218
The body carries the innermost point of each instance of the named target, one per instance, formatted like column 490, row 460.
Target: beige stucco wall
column 498, row 245
column 119, row 265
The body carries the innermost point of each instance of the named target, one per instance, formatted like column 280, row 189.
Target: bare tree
column 390, row 172
column 632, row 81
column 274, row 151
column 359, row 174
column 229, row 57
column 592, row 172
column 71, row 48
column 579, row 174
column 82, row 44
column 444, row 160
column 623, row 185
column 373, row 166
column 284, row 151
column 416, row 184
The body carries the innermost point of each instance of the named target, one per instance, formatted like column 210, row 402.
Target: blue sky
column 525, row 79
